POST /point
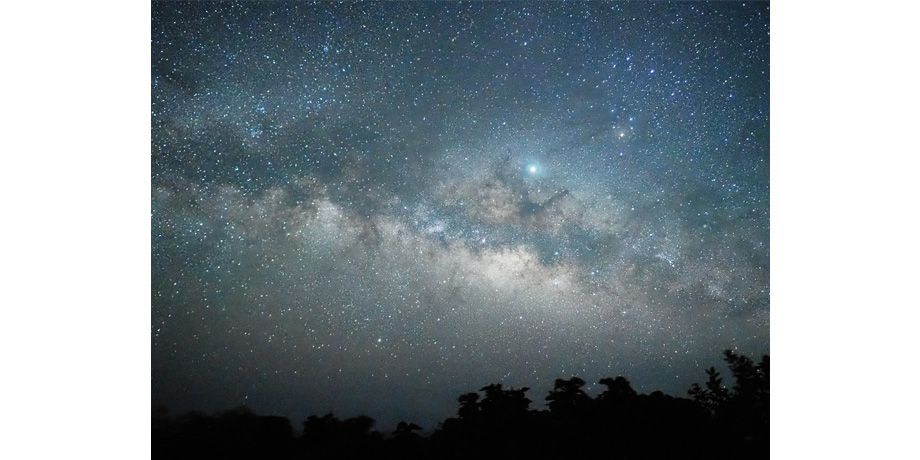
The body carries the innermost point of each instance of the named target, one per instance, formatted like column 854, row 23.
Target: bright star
column 533, row 169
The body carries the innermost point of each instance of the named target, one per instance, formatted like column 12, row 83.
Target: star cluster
column 372, row 208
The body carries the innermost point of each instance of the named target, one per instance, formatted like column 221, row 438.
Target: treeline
column 715, row 422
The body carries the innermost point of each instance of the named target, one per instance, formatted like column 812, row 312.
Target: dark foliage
column 717, row 423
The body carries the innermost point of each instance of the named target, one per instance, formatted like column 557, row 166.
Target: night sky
column 374, row 208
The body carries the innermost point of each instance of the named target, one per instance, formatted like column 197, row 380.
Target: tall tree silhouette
column 714, row 396
column 567, row 397
column 617, row 389
column 501, row 403
column 742, row 415
column 469, row 407
column 748, row 408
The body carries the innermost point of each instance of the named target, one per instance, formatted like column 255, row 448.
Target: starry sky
column 373, row 208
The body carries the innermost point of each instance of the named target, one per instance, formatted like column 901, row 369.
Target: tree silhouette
column 404, row 429
column 748, row 408
column 717, row 423
column 567, row 398
column 714, row 396
column 469, row 408
column 617, row 389
column 617, row 411
column 740, row 416
column 500, row 403
column 752, row 381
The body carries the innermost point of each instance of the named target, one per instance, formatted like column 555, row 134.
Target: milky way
column 373, row 208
